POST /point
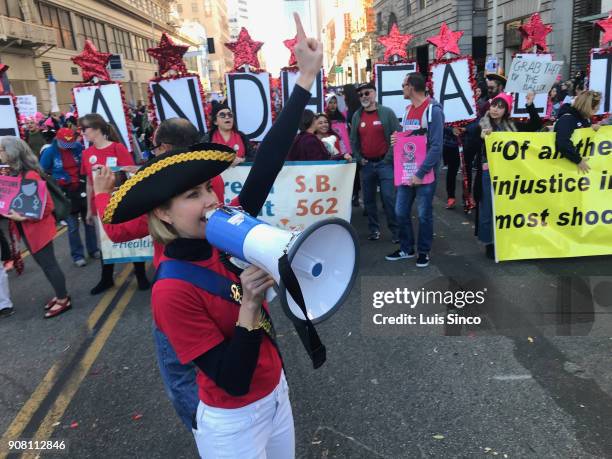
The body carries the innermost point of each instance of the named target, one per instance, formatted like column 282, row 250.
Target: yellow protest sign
column 543, row 207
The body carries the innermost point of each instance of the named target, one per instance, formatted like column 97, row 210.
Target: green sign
column 339, row 69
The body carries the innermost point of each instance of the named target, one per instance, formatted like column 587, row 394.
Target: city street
column 90, row 377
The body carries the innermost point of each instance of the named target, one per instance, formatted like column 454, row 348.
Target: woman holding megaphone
column 223, row 327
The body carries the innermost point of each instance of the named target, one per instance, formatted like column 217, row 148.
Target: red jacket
column 38, row 233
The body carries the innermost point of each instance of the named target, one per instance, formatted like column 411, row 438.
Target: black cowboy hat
column 496, row 77
column 165, row 177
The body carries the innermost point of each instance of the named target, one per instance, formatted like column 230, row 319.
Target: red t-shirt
column 114, row 155
column 414, row 116
column 372, row 135
column 196, row 321
column 234, row 142
column 71, row 167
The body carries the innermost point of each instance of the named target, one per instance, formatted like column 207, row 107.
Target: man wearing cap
column 62, row 159
column 373, row 125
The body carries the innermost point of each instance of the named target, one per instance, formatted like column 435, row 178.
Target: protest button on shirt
column 114, row 155
column 372, row 135
column 414, row 116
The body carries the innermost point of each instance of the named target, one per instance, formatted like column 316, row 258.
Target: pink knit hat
column 507, row 98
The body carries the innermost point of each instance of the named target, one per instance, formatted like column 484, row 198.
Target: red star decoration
column 245, row 50
column 168, row 55
column 92, row 62
column 606, row 26
column 395, row 43
column 534, row 33
column 290, row 44
column 446, row 41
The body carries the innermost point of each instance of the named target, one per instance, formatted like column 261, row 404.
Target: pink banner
column 24, row 196
column 408, row 154
column 345, row 144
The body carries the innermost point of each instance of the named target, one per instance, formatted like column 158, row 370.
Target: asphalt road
column 510, row 388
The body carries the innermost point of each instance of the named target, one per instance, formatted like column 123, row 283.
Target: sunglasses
column 224, row 115
column 365, row 93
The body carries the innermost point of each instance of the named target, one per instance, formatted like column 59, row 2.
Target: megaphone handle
column 270, row 294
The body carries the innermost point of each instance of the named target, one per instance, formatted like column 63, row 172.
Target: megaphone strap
column 305, row 329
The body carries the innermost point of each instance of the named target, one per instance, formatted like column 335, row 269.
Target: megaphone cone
column 324, row 257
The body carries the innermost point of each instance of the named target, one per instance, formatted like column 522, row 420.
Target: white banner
column 600, row 78
column 124, row 252
column 8, row 118
column 316, row 102
column 106, row 101
column 303, row 193
column 537, row 75
column 389, row 79
column 179, row 98
column 26, row 105
column 249, row 99
column 540, row 101
column 452, row 87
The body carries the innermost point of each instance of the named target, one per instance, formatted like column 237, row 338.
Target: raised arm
column 275, row 145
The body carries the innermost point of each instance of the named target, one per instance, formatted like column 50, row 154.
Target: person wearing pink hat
column 62, row 160
column 497, row 119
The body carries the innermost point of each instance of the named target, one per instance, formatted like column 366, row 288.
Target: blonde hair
column 587, row 102
column 19, row 156
column 159, row 230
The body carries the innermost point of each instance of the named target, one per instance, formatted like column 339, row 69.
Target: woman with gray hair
column 37, row 234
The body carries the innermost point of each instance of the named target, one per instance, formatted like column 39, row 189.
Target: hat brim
column 496, row 77
column 165, row 177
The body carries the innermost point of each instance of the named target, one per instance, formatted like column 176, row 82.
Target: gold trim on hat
column 148, row 171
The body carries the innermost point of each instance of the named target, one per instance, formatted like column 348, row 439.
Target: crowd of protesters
column 54, row 149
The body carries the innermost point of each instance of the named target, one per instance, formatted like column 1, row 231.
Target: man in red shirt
column 424, row 116
column 373, row 125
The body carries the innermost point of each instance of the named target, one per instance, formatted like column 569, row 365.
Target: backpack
column 63, row 205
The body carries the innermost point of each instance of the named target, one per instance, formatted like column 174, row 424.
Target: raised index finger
column 301, row 35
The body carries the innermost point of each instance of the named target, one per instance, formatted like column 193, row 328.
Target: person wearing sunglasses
column 225, row 132
column 372, row 126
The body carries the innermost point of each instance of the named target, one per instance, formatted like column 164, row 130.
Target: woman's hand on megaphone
column 309, row 55
column 255, row 282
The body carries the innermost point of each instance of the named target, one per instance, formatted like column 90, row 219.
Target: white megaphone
column 324, row 257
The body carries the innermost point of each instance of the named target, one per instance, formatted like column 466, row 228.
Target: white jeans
column 260, row 430
column 5, row 294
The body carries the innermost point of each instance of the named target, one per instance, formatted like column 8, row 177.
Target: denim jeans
column 403, row 209
column 262, row 429
column 74, row 237
column 179, row 380
column 373, row 175
column 485, row 211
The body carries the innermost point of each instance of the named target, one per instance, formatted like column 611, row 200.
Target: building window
column 480, row 4
column 179, row 8
column 208, row 8
column 94, row 31
column 422, row 4
column 122, row 43
column 194, row 7
column 59, row 19
column 378, row 22
column 392, row 20
column 11, row 9
column 408, row 9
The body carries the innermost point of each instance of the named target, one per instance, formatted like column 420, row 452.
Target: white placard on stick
column 537, row 75
column 8, row 118
column 389, row 79
column 600, row 78
column 179, row 98
column 249, row 99
column 26, row 105
column 452, row 87
column 106, row 101
column 316, row 102
column 540, row 101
